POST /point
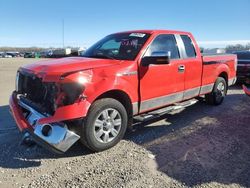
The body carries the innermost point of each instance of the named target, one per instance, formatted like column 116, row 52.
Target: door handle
column 181, row 68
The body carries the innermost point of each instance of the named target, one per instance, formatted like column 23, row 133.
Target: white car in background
column 4, row 55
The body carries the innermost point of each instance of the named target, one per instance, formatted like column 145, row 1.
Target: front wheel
column 105, row 124
column 219, row 92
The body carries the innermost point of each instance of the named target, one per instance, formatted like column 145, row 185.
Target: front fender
column 126, row 84
column 69, row 112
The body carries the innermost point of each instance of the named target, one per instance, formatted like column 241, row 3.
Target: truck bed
column 211, row 70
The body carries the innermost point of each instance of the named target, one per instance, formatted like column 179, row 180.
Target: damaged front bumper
column 45, row 130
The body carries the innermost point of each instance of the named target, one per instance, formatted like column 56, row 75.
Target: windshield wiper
column 101, row 55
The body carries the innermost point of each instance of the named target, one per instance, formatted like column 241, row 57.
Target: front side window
column 189, row 47
column 121, row 46
column 164, row 44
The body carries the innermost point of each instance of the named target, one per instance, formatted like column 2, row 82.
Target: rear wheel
column 219, row 92
column 105, row 124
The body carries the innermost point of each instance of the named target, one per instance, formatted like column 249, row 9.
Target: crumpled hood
column 53, row 69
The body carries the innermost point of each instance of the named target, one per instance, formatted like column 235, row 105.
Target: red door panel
column 161, row 85
column 159, row 82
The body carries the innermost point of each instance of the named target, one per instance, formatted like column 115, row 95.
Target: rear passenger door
column 193, row 66
column 161, row 85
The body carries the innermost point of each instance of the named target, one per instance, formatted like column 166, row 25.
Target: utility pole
column 63, row 33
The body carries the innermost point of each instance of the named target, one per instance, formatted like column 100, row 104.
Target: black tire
column 89, row 132
column 217, row 96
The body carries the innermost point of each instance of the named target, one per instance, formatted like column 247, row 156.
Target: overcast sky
column 214, row 23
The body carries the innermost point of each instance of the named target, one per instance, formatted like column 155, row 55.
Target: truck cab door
column 161, row 84
column 192, row 63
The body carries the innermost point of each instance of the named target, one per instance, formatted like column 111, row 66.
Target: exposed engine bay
column 40, row 100
column 46, row 96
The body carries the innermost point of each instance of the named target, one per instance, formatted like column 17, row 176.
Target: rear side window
column 189, row 47
column 164, row 44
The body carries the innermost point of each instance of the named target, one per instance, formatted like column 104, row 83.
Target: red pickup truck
column 95, row 97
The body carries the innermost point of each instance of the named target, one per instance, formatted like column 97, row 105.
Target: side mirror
column 155, row 60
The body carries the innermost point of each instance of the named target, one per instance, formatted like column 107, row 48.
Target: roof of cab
column 157, row 31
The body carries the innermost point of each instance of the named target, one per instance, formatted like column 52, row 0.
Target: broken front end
column 48, row 110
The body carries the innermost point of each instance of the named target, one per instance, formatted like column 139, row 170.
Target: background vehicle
column 46, row 54
column 13, row 54
column 61, row 52
column 243, row 68
column 95, row 97
column 5, row 55
column 29, row 55
column 246, row 90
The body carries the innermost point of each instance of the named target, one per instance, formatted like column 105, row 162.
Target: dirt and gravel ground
column 200, row 146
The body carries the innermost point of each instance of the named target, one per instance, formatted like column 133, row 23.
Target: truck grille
column 40, row 93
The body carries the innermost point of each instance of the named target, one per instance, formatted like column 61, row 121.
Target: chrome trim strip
column 243, row 65
column 135, row 108
column 232, row 81
column 176, row 97
column 127, row 73
column 181, row 46
column 191, row 93
column 17, row 81
column 243, row 60
column 161, row 101
column 206, row 89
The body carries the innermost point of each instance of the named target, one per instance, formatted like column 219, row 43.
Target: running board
column 157, row 113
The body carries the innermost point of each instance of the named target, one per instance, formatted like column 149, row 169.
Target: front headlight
column 73, row 85
column 72, row 92
column 84, row 77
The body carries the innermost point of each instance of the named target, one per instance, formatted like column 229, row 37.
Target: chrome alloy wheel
column 107, row 125
column 220, row 92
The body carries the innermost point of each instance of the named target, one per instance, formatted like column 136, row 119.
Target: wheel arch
column 120, row 96
column 223, row 71
column 224, row 75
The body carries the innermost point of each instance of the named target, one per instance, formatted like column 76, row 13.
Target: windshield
column 121, row 46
